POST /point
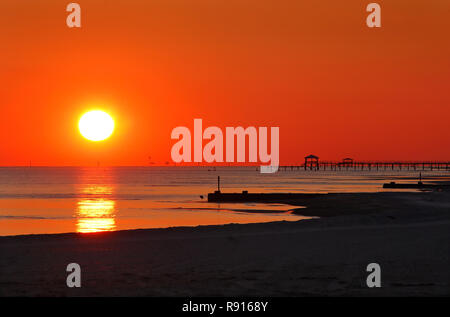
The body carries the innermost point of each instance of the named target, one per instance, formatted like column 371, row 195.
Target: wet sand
column 408, row 234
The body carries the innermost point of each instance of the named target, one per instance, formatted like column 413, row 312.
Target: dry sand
column 408, row 234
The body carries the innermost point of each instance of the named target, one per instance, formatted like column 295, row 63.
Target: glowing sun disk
column 96, row 125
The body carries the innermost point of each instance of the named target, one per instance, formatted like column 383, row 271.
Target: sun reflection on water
column 95, row 215
column 95, row 212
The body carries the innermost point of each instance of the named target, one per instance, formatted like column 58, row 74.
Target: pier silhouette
column 313, row 163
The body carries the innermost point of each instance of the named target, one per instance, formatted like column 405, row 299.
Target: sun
column 96, row 125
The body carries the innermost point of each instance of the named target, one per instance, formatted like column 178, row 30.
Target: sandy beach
column 408, row 234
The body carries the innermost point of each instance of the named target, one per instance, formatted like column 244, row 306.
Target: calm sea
column 73, row 199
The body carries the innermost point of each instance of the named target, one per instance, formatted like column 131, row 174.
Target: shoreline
column 318, row 206
column 332, row 205
column 315, row 257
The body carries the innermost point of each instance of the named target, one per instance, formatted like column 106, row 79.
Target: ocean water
column 36, row 200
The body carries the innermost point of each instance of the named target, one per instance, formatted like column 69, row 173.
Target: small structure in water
column 245, row 196
column 411, row 185
column 418, row 185
column 348, row 162
column 217, row 196
column 312, row 161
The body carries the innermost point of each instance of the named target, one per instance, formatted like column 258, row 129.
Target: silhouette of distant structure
column 312, row 161
column 347, row 162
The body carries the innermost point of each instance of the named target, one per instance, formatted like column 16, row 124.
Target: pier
column 313, row 163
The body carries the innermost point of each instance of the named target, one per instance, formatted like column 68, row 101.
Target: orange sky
column 334, row 87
